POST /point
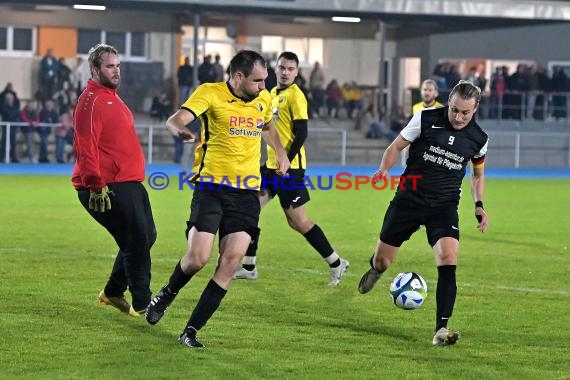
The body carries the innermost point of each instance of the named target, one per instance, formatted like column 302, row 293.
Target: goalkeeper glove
column 100, row 201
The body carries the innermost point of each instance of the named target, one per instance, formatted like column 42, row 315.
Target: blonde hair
column 466, row 90
column 96, row 53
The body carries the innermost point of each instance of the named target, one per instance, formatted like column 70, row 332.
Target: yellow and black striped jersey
column 288, row 104
column 231, row 135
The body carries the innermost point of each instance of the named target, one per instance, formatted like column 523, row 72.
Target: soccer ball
column 408, row 290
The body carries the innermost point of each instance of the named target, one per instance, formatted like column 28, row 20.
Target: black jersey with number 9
column 439, row 156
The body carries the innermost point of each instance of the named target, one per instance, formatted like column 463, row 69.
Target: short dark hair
column 97, row 51
column 466, row 90
column 290, row 56
column 244, row 61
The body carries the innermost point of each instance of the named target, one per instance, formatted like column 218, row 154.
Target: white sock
column 333, row 257
column 249, row 260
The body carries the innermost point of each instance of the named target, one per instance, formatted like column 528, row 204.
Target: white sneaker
column 445, row 337
column 337, row 273
column 244, row 274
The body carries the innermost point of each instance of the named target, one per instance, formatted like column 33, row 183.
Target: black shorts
column 227, row 210
column 290, row 189
column 401, row 222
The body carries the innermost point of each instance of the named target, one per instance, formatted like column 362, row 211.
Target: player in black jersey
column 442, row 143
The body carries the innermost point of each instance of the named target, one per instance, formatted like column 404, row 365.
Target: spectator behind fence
column 161, row 106
column 30, row 114
column 80, row 75
column 302, row 83
column 451, row 76
column 10, row 113
column 498, row 86
column 559, row 83
column 218, row 69
column 9, row 89
column 49, row 67
column 377, row 128
column 63, row 134
column 48, row 115
column 517, row 84
column 317, row 87
column 334, row 98
column 185, row 79
column 352, row 99
column 161, row 109
column 63, row 73
column 65, row 97
column 206, row 71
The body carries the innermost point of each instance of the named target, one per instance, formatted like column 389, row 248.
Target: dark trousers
column 131, row 224
column 44, row 136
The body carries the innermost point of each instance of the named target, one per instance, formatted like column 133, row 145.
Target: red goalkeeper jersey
column 105, row 140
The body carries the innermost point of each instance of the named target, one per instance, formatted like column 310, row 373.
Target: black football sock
column 250, row 255
column 316, row 237
column 335, row 263
column 178, row 279
column 381, row 270
column 209, row 302
column 445, row 294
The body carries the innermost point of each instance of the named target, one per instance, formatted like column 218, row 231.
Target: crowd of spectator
column 527, row 93
column 50, row 111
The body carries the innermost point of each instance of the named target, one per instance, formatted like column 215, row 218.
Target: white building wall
column 354, row 60
column 22, row 73
column 161, row 48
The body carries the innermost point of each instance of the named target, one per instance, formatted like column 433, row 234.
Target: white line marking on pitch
column 320, row 272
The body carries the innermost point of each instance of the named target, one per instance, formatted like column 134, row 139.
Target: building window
column 128, row 44
column 87, row 38
column 22, row 39
column 309, row 50
column 3, row 38
column 19, row 41
column 117, row 40
column 138, row 44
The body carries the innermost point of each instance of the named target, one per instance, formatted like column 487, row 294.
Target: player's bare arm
column 176, row 124
column 269, row 134
column 477, row 191
column 391, row 154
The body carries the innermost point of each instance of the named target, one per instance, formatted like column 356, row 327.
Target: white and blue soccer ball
column 408, row 290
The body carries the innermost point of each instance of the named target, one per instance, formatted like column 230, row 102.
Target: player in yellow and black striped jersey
column 290, row 116
column 234, row 115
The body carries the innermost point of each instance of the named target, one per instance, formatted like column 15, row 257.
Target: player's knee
column 231, row 260
column 446, row 258
column 193, row 262
column 302, row 226
column 293, row 224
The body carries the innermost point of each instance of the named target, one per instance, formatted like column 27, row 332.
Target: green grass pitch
column 513, row 305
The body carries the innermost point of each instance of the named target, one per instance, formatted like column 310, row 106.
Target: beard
column 108, row 81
